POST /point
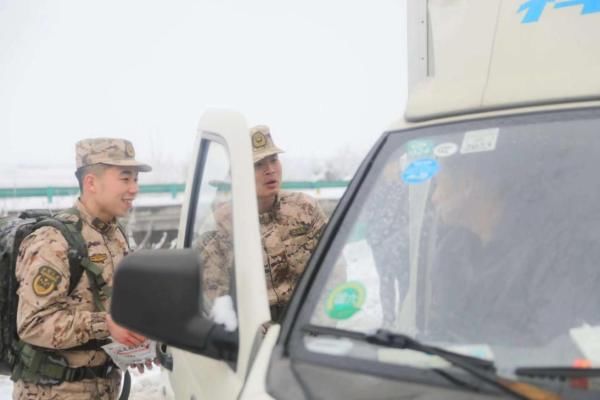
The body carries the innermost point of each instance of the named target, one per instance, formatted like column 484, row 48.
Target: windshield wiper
column 482, row 369
column 557, row 372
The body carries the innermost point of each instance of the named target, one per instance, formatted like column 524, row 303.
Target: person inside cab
column 514, row 261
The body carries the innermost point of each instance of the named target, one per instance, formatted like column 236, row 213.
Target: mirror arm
column 219, row 343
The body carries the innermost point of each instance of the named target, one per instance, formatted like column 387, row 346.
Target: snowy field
column 147, row 386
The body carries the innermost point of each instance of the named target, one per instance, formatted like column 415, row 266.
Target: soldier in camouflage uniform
column 290, row 226
column 48, row 316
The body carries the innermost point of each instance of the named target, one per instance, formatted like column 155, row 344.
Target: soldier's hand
column 123, row 335
column 147, row 365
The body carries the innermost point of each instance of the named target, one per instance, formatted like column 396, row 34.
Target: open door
column 222, row 178
column 170, row 295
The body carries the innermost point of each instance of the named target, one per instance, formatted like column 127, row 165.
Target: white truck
column 468, row 239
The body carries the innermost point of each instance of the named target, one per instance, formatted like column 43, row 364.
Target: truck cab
column 462, row 260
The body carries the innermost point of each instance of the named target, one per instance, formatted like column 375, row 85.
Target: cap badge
column 259, row 140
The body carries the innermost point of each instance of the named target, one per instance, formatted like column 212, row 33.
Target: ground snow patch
column 5, row 387
column 146, row 386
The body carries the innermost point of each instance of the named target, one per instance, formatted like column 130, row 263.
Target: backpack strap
column 77, row 248
column 69, row 223
column 121, row 228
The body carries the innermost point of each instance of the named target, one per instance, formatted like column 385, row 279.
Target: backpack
column 12, row 232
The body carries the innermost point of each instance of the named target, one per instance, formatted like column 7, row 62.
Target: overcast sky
column 326, row 75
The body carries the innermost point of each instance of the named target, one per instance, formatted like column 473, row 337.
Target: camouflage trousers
column 88, row 389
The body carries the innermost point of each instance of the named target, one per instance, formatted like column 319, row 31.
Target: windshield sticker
column 587, row 339
column 478, row 141
column 345, row 300
column 419, row 148
column 535, row 8
column 445, row 149
column 420, row 170
column 334, row 347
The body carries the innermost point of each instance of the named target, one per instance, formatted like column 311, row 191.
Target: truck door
column 221, row 197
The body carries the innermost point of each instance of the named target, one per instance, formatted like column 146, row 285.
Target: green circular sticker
column 345, row 300
column 419, row 148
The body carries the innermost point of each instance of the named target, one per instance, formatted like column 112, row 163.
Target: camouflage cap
column 262, row 144
column 108, row 151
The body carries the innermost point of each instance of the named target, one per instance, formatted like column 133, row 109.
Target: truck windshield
column 481, row 238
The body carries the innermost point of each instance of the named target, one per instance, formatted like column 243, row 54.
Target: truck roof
column 474, row 56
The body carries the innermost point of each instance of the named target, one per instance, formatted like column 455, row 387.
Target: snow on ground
column 5, row 387
column 146, row 386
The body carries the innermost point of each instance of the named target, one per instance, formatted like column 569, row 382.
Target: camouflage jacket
column 47, row 315
column 289, row 231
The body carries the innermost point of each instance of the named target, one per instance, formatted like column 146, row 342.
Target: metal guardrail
column 52, row 191
column 173, row 188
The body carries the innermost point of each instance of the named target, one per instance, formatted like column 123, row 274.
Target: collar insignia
column 98, row 258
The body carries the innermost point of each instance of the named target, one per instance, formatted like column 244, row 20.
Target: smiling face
column 111, row 192
column 267, row 174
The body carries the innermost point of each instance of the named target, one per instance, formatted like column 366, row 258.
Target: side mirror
column 159, row 294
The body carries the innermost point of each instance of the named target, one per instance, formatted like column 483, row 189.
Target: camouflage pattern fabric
column 98, row 389
column 216, row 255
column 109, row 151
column 290, row 232
column 49, row 317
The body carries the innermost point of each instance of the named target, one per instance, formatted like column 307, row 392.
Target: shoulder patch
column 98, row 258
column 46, row 281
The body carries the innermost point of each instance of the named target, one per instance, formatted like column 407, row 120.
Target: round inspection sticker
column 420, row 170
column 445, row 149
column 345, row 300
